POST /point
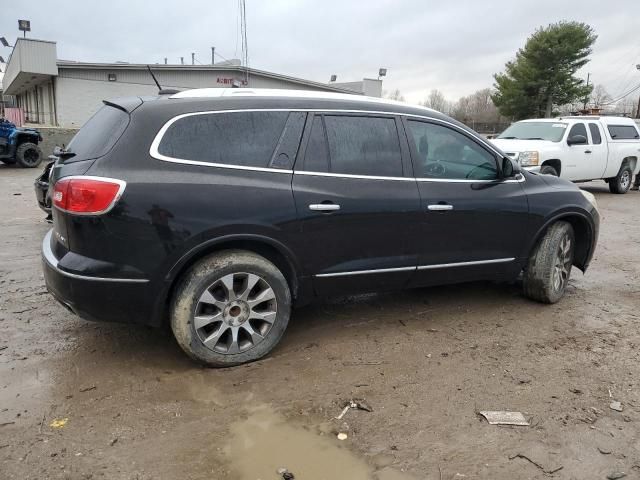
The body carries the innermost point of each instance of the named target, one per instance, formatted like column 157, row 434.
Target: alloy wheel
column 562, row 266
column 235, row 313
column 625, row 179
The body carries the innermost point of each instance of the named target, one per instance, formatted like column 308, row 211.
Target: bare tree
column 477, row 107
column 395, row 95
column 436, row 101
column 600, row 97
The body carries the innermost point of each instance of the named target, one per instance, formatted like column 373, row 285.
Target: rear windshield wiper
column 63, row 154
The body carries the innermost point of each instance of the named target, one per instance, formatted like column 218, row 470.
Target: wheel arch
column 26, row 138
column 632, row 161
column 266, row 247
column 584, row 236
column 555, row 163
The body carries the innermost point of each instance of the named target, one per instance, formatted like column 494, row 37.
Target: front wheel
column 549, row 170
column 621, row 183
column 28, row 155
column 232, row 307
column 549, row 267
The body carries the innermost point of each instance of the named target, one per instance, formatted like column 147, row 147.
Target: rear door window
column 595, row 134
column 247, row 139
column 98, row 135
column 623, row 132
column 363, row 146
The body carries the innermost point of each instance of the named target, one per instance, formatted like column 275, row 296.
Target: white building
column 62, row 93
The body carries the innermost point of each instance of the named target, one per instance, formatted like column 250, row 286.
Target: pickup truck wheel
column 549, row 170
column 231, row 307
column 547, row 274
column 28, row 155
column 621, row 183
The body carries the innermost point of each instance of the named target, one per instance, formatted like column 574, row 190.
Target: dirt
column 426, row 361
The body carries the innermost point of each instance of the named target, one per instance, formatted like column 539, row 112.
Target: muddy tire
column 231, row 307
column 621, row 183
column 28, row 155
column 549, row 267
column 549, row 170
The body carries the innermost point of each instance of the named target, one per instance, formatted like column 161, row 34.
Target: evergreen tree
column 543, row 72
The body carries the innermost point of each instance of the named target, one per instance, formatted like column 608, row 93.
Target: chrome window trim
column 52, row 261
column 346, row 175
column 121, row 186
column 417, row 267
column 153, row 149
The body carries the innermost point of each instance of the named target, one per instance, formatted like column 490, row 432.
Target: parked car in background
column 217, row 210
column 41, row 186
column 19, row 145
column 576, row 148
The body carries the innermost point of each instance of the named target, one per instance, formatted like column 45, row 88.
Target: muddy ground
column 130, row 405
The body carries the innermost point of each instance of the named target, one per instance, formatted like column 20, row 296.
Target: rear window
column 623, row 132
column 98, row 135
column 246, row 139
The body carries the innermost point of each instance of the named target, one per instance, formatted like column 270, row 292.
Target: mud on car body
column 217, row 210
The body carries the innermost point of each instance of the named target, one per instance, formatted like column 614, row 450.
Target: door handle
column 587, row 151
column 324, row 207
column 439, row 207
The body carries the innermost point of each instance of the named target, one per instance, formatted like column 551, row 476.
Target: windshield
column 550, row 131
column 98, row 135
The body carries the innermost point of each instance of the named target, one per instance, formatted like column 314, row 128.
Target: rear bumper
column 122, row 300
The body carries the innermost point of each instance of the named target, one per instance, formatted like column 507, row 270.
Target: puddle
column 264, row 442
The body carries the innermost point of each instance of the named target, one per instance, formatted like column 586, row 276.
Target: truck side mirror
column 577, row 140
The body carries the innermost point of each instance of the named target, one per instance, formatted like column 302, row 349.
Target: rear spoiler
column 126, row 104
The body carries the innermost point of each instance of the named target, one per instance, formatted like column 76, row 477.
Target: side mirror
column 57, row 151
column 577, row 140
column 509, row 168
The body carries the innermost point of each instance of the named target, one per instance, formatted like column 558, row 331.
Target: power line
column 637, row 87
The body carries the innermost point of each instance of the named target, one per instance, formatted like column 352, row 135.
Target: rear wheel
column 549, row 267
column 621, row 183
column 232, row 307
column 28, row 155
column 549, row 170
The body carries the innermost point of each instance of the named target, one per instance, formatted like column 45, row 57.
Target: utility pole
column 193, row 58
column 213, row 55
column 586, row 99
column 181, row 60
column 165, row 60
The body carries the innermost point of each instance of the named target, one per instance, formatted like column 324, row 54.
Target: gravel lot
column 129, row 405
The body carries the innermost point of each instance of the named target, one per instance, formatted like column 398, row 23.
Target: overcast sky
column 455, row 46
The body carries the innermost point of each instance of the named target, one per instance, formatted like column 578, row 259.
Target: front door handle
column 587, row 151
column 439, row 207
column 324, row 207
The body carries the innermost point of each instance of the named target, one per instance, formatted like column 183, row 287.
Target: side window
column 595, row 134
column 623, row 132
column 238, row 138
column 287, row 148
column 578, row 129
column 363, row 146
column 316, row 156
column 445, row 153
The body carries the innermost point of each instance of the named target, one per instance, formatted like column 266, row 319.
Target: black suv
column 217, row 210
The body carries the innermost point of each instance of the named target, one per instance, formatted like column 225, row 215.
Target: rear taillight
column 87, row 195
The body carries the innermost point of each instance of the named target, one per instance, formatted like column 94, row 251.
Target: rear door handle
column 587, row 151
column 439, row 207
column 324, row 207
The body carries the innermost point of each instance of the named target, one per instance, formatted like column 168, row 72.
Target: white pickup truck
column 576, row 148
